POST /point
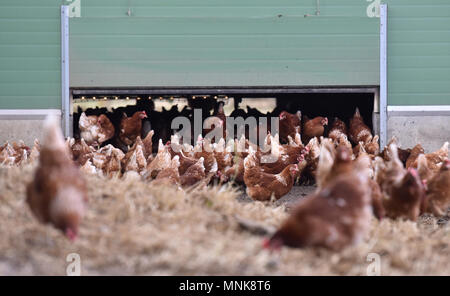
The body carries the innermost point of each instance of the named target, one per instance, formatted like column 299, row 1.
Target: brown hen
column 261, row 186
column 57, row 194
column 131, row 127
column 169, row 175
column 358, row 130
column 313, row 128
column 194, row 174
column 337, row 129
column 438, row 193
column 289, row 125
column 335, row 217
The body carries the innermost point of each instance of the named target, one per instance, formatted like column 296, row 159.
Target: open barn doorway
column 330, row 105
column 163, row 105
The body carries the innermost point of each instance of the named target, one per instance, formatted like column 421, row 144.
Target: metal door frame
column 65, row 79
column 66, row 93
column 383, row 75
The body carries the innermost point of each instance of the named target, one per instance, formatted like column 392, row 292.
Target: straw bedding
column 134, row 228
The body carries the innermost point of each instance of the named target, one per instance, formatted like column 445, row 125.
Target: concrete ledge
column 25, row 130
column 430, row 131
column 23, row 124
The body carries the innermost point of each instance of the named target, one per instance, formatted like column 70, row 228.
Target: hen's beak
column 272, row 244
column 447, row 164
column 413, row 172
column 71, row 234
column 266, row 243
column 305, row 151
column 425, row 184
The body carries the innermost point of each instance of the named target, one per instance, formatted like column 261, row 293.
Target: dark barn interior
column 341, row 105
column 311, row 104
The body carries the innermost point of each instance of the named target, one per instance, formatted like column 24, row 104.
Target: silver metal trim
column 383, row 75
column 65, row 82
column 418, row 110
column 376, row 101
column 71, row 116
column 27, row 114
column 220, row 90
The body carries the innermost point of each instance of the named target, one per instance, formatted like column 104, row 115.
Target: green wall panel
column 29, row 102
column 223, row 43
column 418, row 52
column 30, row 63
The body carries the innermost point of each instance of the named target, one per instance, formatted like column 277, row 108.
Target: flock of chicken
column 354, row 182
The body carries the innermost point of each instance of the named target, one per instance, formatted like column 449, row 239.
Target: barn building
column 389, row 58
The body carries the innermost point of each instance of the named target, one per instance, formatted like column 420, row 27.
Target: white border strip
column 27, row 114
column 65, row 95
column 419, row 110
column 383, row 75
